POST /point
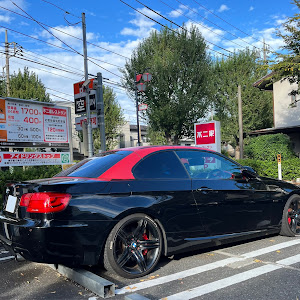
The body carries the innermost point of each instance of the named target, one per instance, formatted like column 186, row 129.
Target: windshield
column 95, row 166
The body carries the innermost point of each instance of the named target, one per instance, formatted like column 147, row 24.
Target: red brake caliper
column 289, row 219
column 145, row 239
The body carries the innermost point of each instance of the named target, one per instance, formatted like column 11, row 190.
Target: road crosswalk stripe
column 204, row 268
column 231, row 280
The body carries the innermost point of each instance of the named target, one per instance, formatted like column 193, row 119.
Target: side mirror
column 250, row 171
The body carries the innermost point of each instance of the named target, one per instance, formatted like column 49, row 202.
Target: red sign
column 143, row 106
column 78, row 88
column 205, row 133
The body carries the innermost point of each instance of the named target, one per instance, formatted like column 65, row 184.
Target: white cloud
column 9, row 5
column 5, row 19
column 223, row 7
column 176, row 13
column 251, row 8
column 142, row 25
column 209, row 33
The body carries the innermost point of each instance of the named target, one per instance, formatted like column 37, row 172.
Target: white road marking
column 204, row 268
column 223, row 283
column 6, row 258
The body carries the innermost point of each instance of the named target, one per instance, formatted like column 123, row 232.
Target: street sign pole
column 101, row 111
column 88, row 111
column 137, row 112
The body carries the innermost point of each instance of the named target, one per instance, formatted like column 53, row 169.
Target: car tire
column 291, row 217
column 133, row 247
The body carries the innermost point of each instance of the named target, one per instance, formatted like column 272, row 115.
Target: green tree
column 26, row 85
column 113, row 118
column 178, row 94
column 240, row 69
column 286, row 64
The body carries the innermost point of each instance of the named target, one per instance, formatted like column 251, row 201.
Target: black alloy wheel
column 291, row 217
column 133, row 247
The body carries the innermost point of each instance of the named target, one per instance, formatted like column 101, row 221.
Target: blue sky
column 112, row 25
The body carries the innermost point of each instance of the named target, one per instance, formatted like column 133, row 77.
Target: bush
column 18, row 174
column 266, row 147
column 290, row 167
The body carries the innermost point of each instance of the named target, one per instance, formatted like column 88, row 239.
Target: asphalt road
column 267, row 268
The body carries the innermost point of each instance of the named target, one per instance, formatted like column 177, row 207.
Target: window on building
column 293, row 101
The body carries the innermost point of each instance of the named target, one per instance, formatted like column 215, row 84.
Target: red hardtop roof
column 150, row 149
column 122, row 169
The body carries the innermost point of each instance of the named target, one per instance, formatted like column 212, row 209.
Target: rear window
column 95, row 166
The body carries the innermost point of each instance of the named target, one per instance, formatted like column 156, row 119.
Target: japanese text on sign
column 22, row 122
column 9, row 159
column 208, row 135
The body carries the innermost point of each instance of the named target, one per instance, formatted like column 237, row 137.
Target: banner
column 14, row 159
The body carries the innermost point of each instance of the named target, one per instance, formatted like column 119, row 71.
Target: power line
column 60, row 97
column 65, row 11
column 47, row 71
column 226, row 21
column 33, row 19
column 150, row 17
column 170, row 29
column 49, row 66
column 105, row 69
column 182, row 27
column 215, row 24
column 37, row 55
column 97, row 59
column 59, row 92
column 178, row 11
column 53, row 45
column 61, row 31
column 60, row 48
column 62, row 40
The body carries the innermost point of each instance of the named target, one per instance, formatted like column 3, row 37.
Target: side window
column 206, row 165
column 160, row 165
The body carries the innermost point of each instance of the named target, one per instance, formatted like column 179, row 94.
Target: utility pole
column 7, row 64
column 241, row 142
column 86, row 75
column 137, row 111
column 101, row 111
column 265, row 51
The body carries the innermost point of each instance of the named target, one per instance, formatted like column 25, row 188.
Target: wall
column 284, row 114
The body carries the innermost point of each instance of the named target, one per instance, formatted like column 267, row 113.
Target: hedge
column 266, row 147
column 18, row 174
column 290, row 167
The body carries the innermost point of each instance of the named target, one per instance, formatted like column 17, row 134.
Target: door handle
column 204, row 189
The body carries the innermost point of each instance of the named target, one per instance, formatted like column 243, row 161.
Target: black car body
column 127, row 207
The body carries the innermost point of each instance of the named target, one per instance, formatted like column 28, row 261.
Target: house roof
column 265, row 83
column 287, row 129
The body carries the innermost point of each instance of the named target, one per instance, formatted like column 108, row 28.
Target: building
column 286, row 109
column 129, row 136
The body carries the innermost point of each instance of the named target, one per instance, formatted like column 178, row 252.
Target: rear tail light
column 47, row 202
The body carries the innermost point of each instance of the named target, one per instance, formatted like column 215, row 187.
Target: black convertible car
column 126, row 208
